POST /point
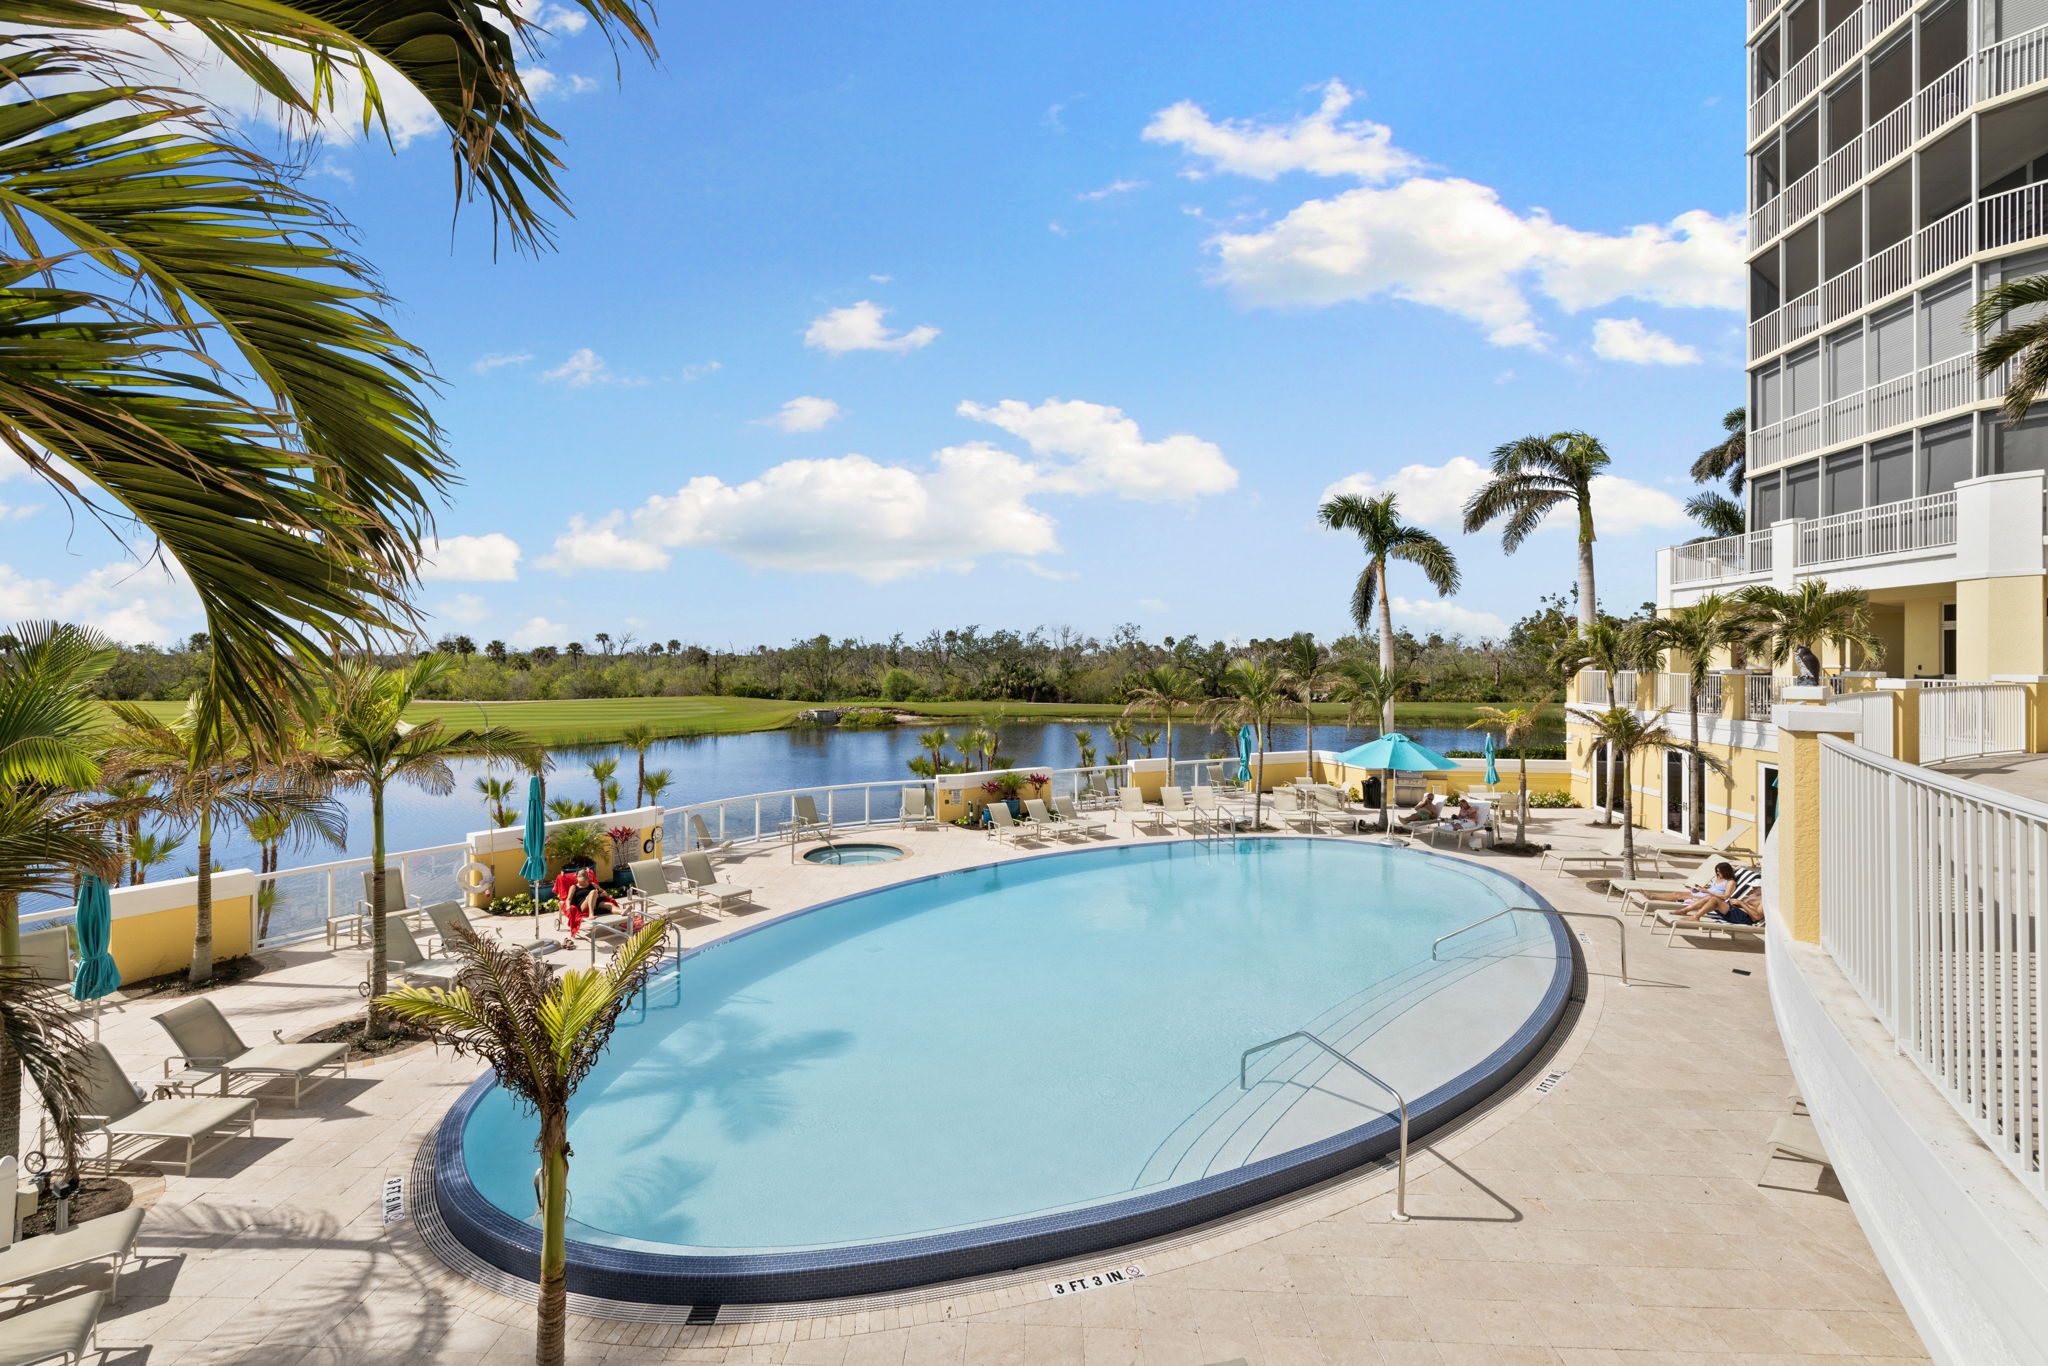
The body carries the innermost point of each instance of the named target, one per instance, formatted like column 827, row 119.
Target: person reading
column 585, row 899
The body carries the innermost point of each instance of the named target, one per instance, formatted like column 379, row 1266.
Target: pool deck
column 1614, row 1220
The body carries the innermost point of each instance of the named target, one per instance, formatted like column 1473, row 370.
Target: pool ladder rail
column 1620, row 929
column 1400, row 1215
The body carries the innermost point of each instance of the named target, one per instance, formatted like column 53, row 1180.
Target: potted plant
column 1005, row 787
column 623, row 838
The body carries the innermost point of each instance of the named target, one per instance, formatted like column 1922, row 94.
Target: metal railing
column 1927, row 392
column 1942, row 100
column 1730, row 557
column 1620, row 929
column 1931, row 897
column 1966, row 720
column 1911, row 524
column 2013, row 64
column 2012, row 216
column 1400, row 1103
column 1761, row 692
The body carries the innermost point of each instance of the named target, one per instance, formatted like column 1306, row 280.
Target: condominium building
column 1897, row 167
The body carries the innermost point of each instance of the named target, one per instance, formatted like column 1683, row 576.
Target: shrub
column 1509, row 755
column 1554, row 801
column 900, row 685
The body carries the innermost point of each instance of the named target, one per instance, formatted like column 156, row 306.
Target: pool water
column 854, row 855
column 998, row 1042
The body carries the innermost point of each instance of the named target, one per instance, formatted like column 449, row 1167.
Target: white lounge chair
column 1294, row 808
column 60, row 1332
column 651, row 889
column 1175, row 807
column 1083, row 824
column 110, row 1239
column 1130, row 803
column 1097, row 796
column 700, row 836
column 208, row 1047
column 112, row 1110
column 1048, row 820
column 446, row 922
column 699, row 878
column 804, row 821
column 47, row 953
column 397, row 900
column 1005, row 826
column 1480, row 830
column 404, row 958
column 917, row 808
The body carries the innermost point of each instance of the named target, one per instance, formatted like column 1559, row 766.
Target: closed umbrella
column 1245, row 740
column 1396, row 753
column 1492, row 773
column 534, row 840
column 98, row 975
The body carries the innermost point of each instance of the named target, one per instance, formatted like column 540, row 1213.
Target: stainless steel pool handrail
column 1400, row 1103
column 1620, row 930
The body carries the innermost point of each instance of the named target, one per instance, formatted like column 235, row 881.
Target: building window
column 1802, row 491
column 1945, row 457
column 1891, row 470
column 1844, row 491
column 1767, row 796
column 1764, row 504
column 2019, row 446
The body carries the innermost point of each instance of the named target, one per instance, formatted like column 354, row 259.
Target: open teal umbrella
column 1492, row 773
column 1245, row 740
column 534, row 840
column 98, row 975
column 1395, row 752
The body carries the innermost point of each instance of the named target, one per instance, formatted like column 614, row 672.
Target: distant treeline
column 1048, row 664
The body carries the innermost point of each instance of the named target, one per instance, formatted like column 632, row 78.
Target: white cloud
column 1441, row 615
column 1435, row 495
column 489, row 558
column 1108, row 452
column 1627, row 339
column 15, row 512
column 1115, row 187
column 538, row 631
column 585, row 368
column 803, row 414
column 692, row 373
column 497, row 360
column 1153, row 605
column 1316, row 142
column 1057, row 228
column 465, row 609
column 601, row 545
column 881, row 279
column 859, row 327
column 1439, row 241
column 151, row 603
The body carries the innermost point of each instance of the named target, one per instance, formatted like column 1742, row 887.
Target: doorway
column 1766, row 799
column 1677, row 791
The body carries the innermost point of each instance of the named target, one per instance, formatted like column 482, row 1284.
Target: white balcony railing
column 1947, row 384
column 2014, row 216
column 1889, row 138
column 1730, row 557
column 1842, row 169
column 1842, row 43
column 2013, row 64
column 1944, row 242
column 1931, row 390
column 1842, row 295
column 1888, row 272
column 1942, row 101
column 1887, row 404
column 1932, row 899
column 1924, row 523
column 1801, row 316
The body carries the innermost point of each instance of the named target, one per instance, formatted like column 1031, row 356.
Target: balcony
column 1834, row 51
column 1990, row 224
column 1731, row 557
column 1926, row 523
column 1931, row 390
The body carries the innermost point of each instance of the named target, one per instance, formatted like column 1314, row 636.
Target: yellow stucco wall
column 505, row 863
column 1732, row 796
column 160, row 942
column 1921, row 623
column 2002, row 626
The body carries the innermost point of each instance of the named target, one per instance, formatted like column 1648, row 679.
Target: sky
column 892, row 318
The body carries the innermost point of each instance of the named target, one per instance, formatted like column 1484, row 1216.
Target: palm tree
column 570, row 808
column 1366, row 688
column 201, row 775
column 1783, row 624
column 601, row 771
column 1306, row 674
column 1533, row 476
column 1516, row 725
column 153, row 851
column 1697, row 631
column 1726, row 458
column 39, row 1035
column 979, row 744
column 1084, row 740
column 1164, row 691
column 639, row 738
column 133, row 796
column 1718, row 515
column 1627, row 733
column 365, row 742
column 1608, row 648
column 1150, row 740
column 2024, row 344
column 495, row 791
column 654, row 783
column 1386, row 537
column 1253, row 696
column 1120, row 735
column 541, row 1032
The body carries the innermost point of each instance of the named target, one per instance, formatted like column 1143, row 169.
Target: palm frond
column 1429, row 554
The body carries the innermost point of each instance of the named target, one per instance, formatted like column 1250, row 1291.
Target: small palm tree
column 1607, row 647
column 1386, row 537
column 639, row 738
column 1628, row 733
column 152, row 851
column 1516, row 725
column 1369, row 690
column 1253, row 696
column 570, row 808
column 1120, row 735
column 1084, row 740
column 979, row 744
column 496, row 792
column 39, row 1035
column 2025, row 343
column 1697, row 631
column 1306, row 673
column 933, row 742
column 1534, row 476
column 1791, row 624
column 654, row 783
column 366, row 742
column 601, row 772
column 1727, row 457
column 1719, row 515
column 1150, row 740
column 541, row 1033
column 1165, row 691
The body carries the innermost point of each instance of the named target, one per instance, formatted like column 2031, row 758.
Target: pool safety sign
column 1549, row 1083
column 1096, row 1280
column 394, row 1199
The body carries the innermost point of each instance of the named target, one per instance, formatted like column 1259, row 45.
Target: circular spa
column 1013, row 1064
column 854, row 855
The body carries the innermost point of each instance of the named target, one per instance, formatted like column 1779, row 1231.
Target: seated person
column 585, row 899
column 1722, row 884
column 1743, row 904
column 1426, row 812
column 1466, row 817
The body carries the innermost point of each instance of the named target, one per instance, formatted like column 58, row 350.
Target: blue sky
column 1068, row 314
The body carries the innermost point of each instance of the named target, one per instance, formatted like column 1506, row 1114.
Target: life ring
column 647, row 845
column 483, row 881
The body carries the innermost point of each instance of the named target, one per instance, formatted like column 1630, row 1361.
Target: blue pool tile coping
column 643, row 1277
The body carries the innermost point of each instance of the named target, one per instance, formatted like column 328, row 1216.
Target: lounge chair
column 804, row 821
column 700, row 839
column 650, row 886
column 403, row 957
column 208, row 1046
column 1005, row 826
column 60, row 1332
column 1294, row 808
column 111, row 1109
column 1482, row 830
column 1083, row 824
column 397, row 900
column 1593, row 860
column 1097, row 795
column 1722, row 846
column 1130, row 803
column 1046, row 819
column 47, row 953
column 109, row 1239
column 1683, row 876
column 1174, row 806
column 917, row 808
column 700, row 879
column 1668, row 914
column 446, row 920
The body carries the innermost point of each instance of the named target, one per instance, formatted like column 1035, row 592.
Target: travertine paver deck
column 1614, row 1221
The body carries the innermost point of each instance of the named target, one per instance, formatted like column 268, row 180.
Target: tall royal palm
column 1534, row 476
column 1163, row 691
column 1696, row 632
column 192, row 352
column 1726, row 458
column 365, row 742
column 1385, row 537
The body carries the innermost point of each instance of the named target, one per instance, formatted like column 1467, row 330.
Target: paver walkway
column 1614, row 1221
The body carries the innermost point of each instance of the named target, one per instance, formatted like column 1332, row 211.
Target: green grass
column 591, row 721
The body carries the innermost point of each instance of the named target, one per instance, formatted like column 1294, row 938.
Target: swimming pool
column 1010, row 1064
column 854, row 855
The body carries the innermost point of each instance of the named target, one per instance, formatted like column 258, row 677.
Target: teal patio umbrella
column 93, row 922
column 534, row 840
column 1492, row 773
column 1245, row 740
column 1396, row 753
